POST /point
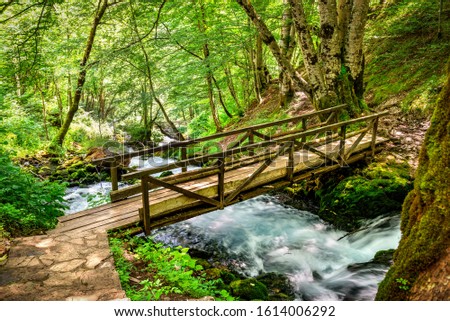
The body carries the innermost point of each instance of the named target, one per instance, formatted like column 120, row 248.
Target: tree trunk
column 335, row 70
column 231, row 87
column 260, row 66
column 287, row 45
column 60, row 103
column 222, row 103
column 421, row 270
column 268, row 38
column 44, row 110
column 209, row 76
column 59, row 138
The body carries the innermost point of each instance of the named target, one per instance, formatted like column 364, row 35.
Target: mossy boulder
column 249, row 289
column 378, row 189
column 76, row 172
column 381, row 259
column 278, row 285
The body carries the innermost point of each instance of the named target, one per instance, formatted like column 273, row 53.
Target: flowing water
column 264, row 235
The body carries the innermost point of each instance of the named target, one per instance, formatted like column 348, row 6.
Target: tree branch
column 6, row 5
column 268, row 38
column 140, row 38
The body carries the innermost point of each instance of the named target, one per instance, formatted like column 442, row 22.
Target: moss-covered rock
column 378, row 189
column 249, row 289
column 278, row 285
column 381, row 259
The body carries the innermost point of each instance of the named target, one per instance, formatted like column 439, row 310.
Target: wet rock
column 278, row 285
column 249, row 289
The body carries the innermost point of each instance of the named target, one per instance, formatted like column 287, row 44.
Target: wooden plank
column 342, row 145
column 221, row 183
column 357, row 141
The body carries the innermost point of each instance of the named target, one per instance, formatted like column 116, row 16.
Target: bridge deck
column 168, row 206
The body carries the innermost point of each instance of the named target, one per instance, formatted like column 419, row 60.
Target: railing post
column 290, row 163
column 183, row 157
column 304, row 124
column 114, row 179
column 342, row 145
column 221, row 182
column 374, row 135
column 145, row 205
column 251, row 140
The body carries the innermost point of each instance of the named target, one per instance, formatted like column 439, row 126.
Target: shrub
column 27, row 205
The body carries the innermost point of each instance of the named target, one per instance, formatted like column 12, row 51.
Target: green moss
column 384, row 257
column 249, row 289
column 376, row 190
column 425, row 216
column 165, row 174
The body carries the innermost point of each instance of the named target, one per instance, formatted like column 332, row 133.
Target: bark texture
column 421, row 269
column 335, row 66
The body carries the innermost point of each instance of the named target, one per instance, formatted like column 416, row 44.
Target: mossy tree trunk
column 421, row 270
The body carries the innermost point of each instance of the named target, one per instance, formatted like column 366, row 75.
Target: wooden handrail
column 286, row 144
column 185, row 143
column 237, row 150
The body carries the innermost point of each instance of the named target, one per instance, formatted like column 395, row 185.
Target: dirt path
column 406, row 132
column 60, row 267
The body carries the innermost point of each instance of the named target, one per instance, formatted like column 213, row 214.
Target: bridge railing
column 193, row 150
column 331, row 135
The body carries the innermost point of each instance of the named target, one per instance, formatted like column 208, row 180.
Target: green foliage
column 27, row 205
column 378, row 189
column 171, row 271
column 405, row 64
column 403, row 284
column 21, row 133
column 98, row 199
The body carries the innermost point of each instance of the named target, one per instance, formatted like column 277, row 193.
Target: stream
column 264, row 235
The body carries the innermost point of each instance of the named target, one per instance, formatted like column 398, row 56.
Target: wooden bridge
column 256, row 160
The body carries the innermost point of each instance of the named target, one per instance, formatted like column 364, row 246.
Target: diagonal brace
column 266, row 164
column 183, row 191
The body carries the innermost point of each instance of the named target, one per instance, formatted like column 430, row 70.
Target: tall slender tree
column 58, row 140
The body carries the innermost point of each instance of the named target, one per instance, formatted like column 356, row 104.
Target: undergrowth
column 405, row 57
column 168, row 271
column 27, row 205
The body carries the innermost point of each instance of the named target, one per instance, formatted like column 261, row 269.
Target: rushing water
column 264, row 235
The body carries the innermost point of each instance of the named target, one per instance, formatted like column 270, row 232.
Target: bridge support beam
column 145, row 205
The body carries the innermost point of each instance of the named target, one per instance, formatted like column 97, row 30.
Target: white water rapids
column 264, row 235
